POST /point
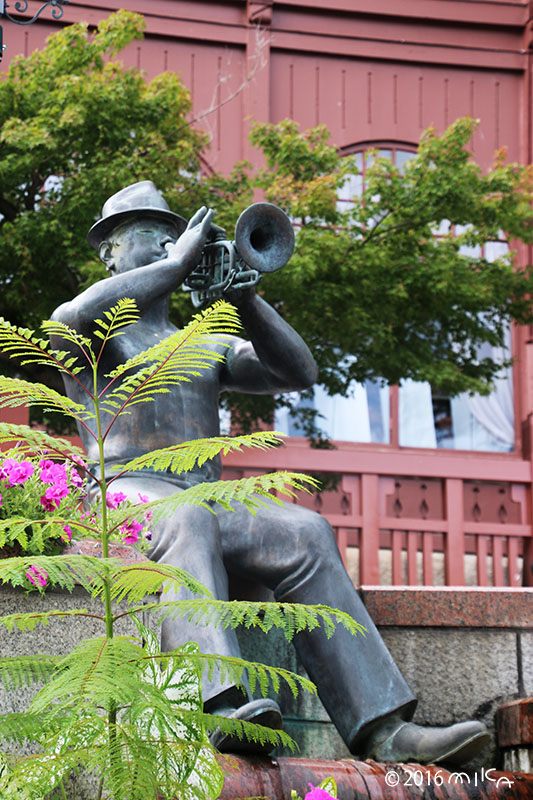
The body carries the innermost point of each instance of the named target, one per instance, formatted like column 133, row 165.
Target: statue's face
column 139, row 242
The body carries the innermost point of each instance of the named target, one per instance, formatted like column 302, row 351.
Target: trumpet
column 264, row 242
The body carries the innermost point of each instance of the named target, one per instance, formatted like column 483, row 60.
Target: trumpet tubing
column 264, row 242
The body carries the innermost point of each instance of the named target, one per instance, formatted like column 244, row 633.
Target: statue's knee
column 318, row 540
column 185, row 534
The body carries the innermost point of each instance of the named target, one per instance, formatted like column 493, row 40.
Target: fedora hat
column 142, row 198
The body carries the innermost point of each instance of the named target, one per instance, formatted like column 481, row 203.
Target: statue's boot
column 261, row 712
column 398, row 741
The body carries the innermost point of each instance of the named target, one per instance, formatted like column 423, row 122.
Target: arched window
column 413, row 414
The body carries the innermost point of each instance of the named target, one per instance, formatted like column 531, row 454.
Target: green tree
column 75, row 127
column 410, row 303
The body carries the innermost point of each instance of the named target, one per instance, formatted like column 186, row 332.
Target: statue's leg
column 293, row 551
column 189, row 539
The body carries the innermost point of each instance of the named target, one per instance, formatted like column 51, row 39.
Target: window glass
column 361, row 416
column 352, row 187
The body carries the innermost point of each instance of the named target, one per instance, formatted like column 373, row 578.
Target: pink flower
column 317, row 793
column 68, row 531
column 48, row 505
column 54, row 494
column 37, row 575
column 114, row 499
column 131, row 531
column 143, row 498
column 16, row 471
column 76, row 479
column 52, row 472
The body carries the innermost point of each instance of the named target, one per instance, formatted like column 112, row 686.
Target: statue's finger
column 197, row 217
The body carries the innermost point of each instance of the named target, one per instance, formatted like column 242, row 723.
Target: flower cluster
column 43, row 490
column 130, row 528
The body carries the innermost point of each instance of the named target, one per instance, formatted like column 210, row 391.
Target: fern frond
column 124, row 314
column 28, row 621
column 20, row 343
column 253, row 492
column 54, row 328
column 133, row 582
column 35, row 776
column 291, row 618
column 21, row 727
column 177, row 768
column 30, row 440
column 15, row 392
column 219, row 319
column 175, row 359
column 230, row 668
column 65, row 571
column 102, row 669
column 18, row 671
column 249, row 731
column 185, row 456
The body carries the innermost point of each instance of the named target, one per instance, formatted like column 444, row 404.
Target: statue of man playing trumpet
column 149, row 252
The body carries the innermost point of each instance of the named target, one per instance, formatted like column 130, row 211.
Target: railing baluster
column 513, row 547
column 427, row 559
column 498, row 577
column 369, row 542
column 412, row 549
column 397, row 572
column 342, row 542
column 454, row 548
column 482, row 550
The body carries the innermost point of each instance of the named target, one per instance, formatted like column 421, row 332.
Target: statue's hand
column 188, row 248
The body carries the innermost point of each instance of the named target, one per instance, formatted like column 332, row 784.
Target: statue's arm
column 276, row 359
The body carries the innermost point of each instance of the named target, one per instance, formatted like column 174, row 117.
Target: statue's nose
column 166, row 239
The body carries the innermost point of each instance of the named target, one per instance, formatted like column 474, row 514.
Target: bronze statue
column 149, row 251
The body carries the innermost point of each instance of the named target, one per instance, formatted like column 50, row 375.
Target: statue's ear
column 105, row 251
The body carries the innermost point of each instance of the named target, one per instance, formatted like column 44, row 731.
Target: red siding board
column 381, row 103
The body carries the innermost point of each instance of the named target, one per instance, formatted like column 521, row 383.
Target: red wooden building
column 433, row 490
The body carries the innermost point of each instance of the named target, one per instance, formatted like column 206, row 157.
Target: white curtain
column 477, row 422
column 416, row 424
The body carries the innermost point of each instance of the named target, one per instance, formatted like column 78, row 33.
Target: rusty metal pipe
column 367, row 780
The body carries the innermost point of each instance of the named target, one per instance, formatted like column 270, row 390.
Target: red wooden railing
column 412, row 517
column 418, row 517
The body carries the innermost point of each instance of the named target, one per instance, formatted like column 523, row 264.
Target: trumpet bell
column 264, row 237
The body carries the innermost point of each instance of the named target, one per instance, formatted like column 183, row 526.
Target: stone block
column 514, row 722
column 526, row 662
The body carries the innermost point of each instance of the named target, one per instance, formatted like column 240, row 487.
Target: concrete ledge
column 449, row 607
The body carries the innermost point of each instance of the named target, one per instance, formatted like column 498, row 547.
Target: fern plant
column 116, row 705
